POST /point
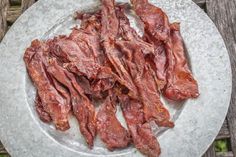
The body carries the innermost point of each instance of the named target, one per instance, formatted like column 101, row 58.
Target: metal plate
column 197, row 121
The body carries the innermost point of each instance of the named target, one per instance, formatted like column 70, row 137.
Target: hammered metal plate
column 197, row 121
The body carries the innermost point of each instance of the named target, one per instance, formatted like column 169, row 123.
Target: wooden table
column 222, row 12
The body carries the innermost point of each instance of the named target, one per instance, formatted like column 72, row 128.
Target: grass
column 221, row 145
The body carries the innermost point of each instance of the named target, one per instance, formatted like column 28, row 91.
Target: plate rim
column 39, row 7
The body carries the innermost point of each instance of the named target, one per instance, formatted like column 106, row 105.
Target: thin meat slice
column 53, row 103
column 90, row 34
column 109, row 32
column 181, row 84
column 142, row 73
column 111, row 132
column 61, row 89
column 156, row 23
column 82, row 108
column 141, row 133
column 158, row 60
column 43, row 115
column 73, row 57
column 145, row 81
column 154, row 54
column 157, row 31
column 83, row 65
column 88, row 39
column 83, row 55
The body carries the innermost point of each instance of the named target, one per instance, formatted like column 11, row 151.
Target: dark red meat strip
column 53, row 103
column 142, row 73
column 43, row 115
column 180, row 82
column 82, row 108
column 110, row 29
column 170, row 59
column 111, row 132
column 141, row 133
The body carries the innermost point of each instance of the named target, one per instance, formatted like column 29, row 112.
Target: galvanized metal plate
column 197, row 121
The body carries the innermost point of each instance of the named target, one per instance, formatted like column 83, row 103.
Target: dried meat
column 181, row 84
column 110, row 130
column 141, row 133
column 82, row 108
column 53, row 103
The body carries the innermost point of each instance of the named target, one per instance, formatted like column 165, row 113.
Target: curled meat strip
column 180, row 82
column 156, row 32
column 110, row 29
column 82, row 108
column 141, row 133
column 43, row 115
column 156, row 23
column 170, row 60
column 51, row 100
column 111, row 132
column 142, row 73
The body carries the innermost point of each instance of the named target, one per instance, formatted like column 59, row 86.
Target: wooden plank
column 15, row 2
column 226, row 154
column 13, row 13
column 210, row 152
column 2, row 149
column 25, row 4
column 200, row 3
column 224, row 131
column 4, row 4
column 223, row 13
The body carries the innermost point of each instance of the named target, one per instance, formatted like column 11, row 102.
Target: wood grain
column 15, row 2
column 25, row 4
column 224, row 131
column 4, row 4
column 200, row 3
column 210, row 152
column 223, row 13
column 2, row 149
column 13, row 13
column 225, row 154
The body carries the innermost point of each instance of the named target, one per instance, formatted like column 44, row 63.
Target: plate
column 197, row 121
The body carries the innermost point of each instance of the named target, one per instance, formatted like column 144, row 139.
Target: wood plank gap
column 223, row 13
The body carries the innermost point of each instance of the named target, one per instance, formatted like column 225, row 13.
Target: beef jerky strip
column 43, row 115
column 181, row 84
column 142, row 73
column 111, row 132
column 141, row 132
column 53, row 103
column 156, row 32
column 82, row 108
column 110, row 28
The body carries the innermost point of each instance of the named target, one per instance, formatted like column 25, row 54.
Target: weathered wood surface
column 224, row 131
column 3, row 17
column 200, row 3
column 15, row 2
column 210, row 152
column 2, row 150
column 25, row 4
column 226, row 154
column 13, row 13
column 223, row 13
